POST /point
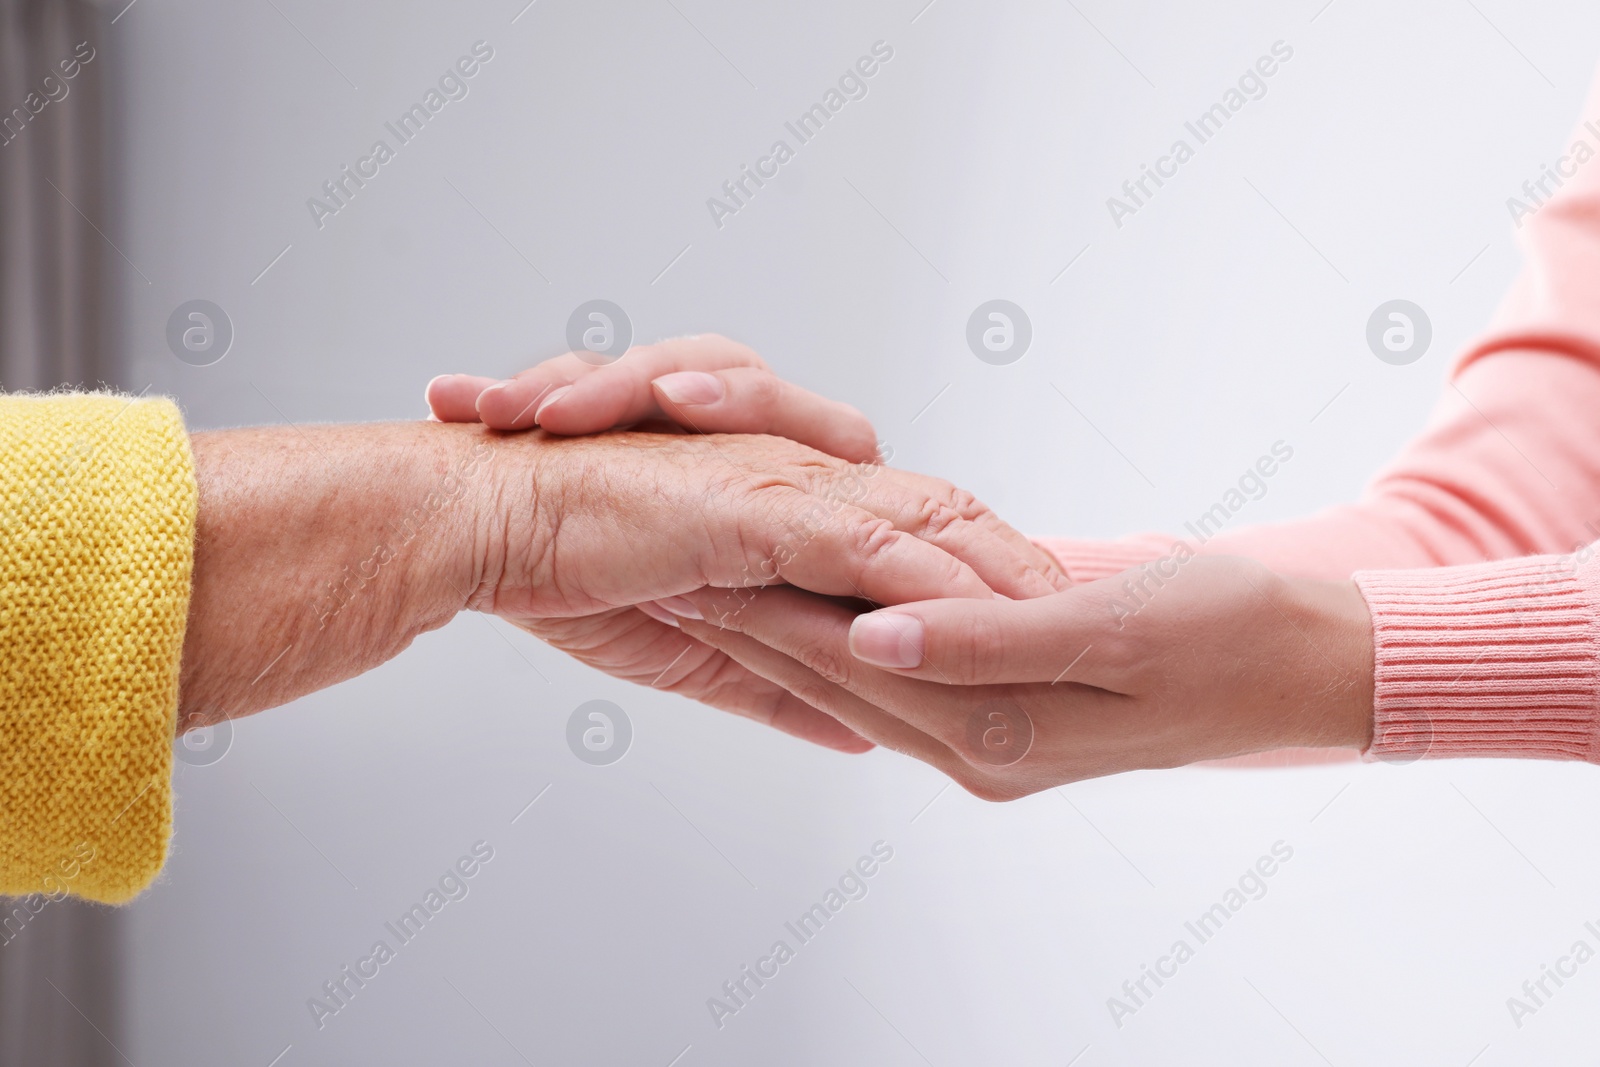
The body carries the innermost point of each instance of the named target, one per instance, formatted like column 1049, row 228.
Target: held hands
column 1008, row 696
column 826, row 525
column 631, row 518
column 321, row 553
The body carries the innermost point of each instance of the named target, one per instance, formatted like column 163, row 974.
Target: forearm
column 324, row 551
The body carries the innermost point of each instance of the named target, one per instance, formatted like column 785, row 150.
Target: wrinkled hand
column 1220, row 658
column 626, row 519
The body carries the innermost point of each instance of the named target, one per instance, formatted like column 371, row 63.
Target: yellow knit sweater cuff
column 96, row 553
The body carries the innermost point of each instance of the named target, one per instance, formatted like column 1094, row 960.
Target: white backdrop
column 1223, row 316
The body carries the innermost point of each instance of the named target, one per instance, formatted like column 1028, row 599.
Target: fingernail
column 656, row 612
column 680, row 607
column 691, row 387
column 487, row 394
column 887, row 639
column 551, row 398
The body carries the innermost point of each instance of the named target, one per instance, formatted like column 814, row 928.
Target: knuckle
column 934, row 519
column 872, row 538
column 963, row 503
column 945, row 506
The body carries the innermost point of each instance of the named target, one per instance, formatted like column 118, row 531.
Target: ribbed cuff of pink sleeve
column 1089, row 561
column 1493, row 659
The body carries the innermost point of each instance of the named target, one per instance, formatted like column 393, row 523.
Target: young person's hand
column 704, row 384
column 1009, row 697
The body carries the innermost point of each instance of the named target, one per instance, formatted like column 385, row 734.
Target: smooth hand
column 704, row 384
column 1221, row 658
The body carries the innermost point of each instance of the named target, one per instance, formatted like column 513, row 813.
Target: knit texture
column 1496, row 659
column 96, row 554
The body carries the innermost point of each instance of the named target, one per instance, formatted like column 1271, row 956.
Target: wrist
column 1337, row 625
column 323, row 551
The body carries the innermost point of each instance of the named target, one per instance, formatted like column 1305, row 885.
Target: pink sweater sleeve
column 1483, row 647
column 1487, row 659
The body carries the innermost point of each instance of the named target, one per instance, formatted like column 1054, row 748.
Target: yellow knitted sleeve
column 97, row 510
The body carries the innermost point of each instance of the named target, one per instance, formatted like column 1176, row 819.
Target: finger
column 620, row 393
column 658, row 613
column 872, row 723
column 815, row 633
column 753, row 400
column 982, row 733
column 739, row 690
column 791, row 715
column 716, row 680
column 948, row 518
column 1072, row 636
column 842, row 550
column 454, row 397
column 514, row 404
column 571, row 396
column 707, row 675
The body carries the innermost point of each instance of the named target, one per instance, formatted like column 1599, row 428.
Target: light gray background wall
column 1221, row 318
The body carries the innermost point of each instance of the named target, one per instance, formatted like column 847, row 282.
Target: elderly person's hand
column 1219, row 657
column 324, row 551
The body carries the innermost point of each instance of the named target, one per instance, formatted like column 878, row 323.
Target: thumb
column 981, row 642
